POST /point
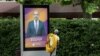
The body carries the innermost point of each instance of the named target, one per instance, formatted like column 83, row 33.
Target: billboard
column 35, row 26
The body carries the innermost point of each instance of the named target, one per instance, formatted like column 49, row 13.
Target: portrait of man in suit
column 35, row 27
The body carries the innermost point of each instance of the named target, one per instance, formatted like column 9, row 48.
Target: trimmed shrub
column 77, row 37
column 9, row 36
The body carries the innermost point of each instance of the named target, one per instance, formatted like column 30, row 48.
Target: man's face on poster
column 36, row 27
column 36, row 15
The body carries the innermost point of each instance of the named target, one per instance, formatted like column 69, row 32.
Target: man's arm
column 29, row 30
column 43, row 29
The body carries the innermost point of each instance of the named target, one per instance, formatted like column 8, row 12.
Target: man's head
column 36, row 15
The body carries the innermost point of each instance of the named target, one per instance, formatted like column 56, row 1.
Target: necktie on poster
column 36, row 26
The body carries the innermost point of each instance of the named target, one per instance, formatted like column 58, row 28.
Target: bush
column 9, row 36
column 77, row 37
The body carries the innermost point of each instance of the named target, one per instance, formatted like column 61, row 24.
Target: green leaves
column 66, row 2
column 9, row 36
column 77, row 37
column 91, row 7
column 45, row 2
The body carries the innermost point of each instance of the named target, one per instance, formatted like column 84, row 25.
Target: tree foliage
column 88, row 6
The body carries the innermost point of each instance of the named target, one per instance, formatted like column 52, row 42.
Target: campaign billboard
column 35, row 26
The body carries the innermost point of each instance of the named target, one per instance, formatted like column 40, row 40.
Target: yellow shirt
column 52, row 44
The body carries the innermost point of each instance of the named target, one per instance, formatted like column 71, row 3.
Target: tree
column 88, row 6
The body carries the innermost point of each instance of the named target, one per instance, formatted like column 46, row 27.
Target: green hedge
column 77, row 37
column 9, row 36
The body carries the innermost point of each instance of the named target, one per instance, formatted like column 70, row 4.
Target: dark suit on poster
column 31, row 31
